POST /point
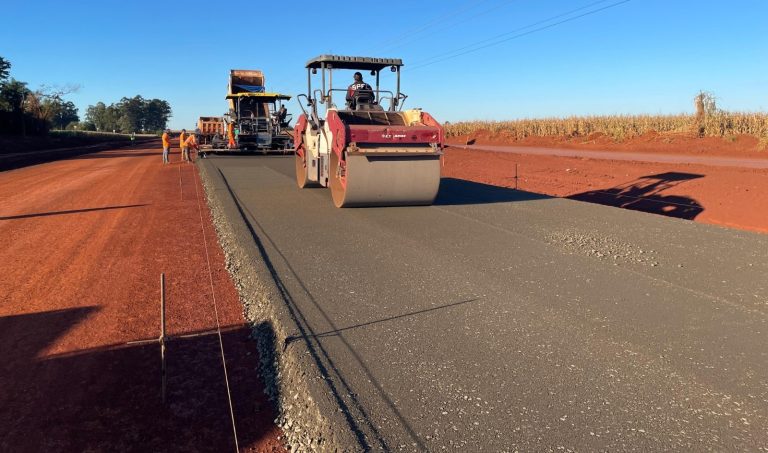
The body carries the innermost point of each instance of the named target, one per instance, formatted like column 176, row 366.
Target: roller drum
column 385, row 180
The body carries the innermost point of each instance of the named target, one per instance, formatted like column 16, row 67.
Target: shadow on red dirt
column 117, row 404
column 647, row 194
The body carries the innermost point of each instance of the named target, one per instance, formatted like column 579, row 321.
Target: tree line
column 134, row 114
column 35, row 112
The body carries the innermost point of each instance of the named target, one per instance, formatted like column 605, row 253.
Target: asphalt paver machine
column 252, row 123
column 369, row 151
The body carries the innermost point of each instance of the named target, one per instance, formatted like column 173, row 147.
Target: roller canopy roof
column 266, row 97
column 364, row 63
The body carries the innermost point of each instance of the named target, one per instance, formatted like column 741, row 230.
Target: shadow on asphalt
column 109, row 398
column 331, row 333
column 366, row 431
column 647, row 194
column 72, row 211
column 462, row 192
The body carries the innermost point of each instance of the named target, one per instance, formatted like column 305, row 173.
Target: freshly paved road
column 500, row 320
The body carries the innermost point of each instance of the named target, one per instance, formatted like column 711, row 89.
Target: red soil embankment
column 82, row 244
column 652, row 142
column 728, row 196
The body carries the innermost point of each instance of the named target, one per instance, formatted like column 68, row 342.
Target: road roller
column 367, row 149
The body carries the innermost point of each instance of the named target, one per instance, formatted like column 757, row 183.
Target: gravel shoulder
column 295, row 372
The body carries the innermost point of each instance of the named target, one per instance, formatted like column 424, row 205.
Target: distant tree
column 80, row 126
column 65, row 113
column 34, row 111
column 103, row 117
column 96, row 115
column 705, row 103
column 156, row 115
column 86, row 126
column 41, row 106
column 112, row 116
column 5, row 69
column 46, row 103
column 131, row 114
column 12, row 95
column 706, row 106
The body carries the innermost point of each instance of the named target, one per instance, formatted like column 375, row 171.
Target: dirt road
column 715, row 161
column 82, row 245
column 726, row 190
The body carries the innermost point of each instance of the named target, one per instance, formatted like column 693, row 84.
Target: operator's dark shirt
column 357, row 87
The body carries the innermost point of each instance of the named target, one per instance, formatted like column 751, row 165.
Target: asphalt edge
column 308, row 416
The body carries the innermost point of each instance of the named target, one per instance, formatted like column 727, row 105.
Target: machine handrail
column 301, row 104
column 315, row 95
column 312, row 116
column 344, row 90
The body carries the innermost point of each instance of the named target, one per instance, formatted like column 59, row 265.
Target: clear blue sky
column 643, row 56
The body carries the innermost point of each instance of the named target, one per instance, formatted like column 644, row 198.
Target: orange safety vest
column 231, row 134
column 182, row 136
column 166, row 140
column 191, row 141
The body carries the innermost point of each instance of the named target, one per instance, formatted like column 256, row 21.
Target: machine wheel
column 301, row 172
column 338, row 182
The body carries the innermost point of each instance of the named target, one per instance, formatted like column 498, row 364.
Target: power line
column 519, row 35
column 468, row 5
column 450, row 26
column 543, row 21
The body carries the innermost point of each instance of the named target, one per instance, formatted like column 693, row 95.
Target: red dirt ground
column 733, row 197
column 82, row 244
column 667, row 143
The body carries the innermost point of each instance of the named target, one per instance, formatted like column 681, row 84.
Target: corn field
column 621, row 127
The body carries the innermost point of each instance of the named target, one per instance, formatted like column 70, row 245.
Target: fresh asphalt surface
column 500, row 320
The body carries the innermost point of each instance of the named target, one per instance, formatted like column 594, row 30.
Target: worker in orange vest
column 166, row 146
column 183, row 146
column 231, row 135
column 190, row 142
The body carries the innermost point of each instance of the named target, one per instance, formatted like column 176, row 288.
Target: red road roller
column 371, row 152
